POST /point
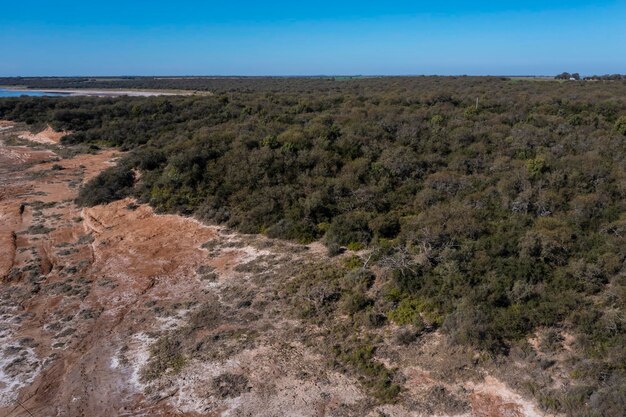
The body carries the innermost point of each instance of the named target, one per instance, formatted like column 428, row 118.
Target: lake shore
column 100, row 93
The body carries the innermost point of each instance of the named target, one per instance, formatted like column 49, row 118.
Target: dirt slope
column 46, row 136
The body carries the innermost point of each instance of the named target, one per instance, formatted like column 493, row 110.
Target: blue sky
column 322, row 37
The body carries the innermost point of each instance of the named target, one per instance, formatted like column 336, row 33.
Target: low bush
column 113, row 184
column 165, row 356
column 407, row 312
column 620, row 125
column 375, row 376
column 349, row 229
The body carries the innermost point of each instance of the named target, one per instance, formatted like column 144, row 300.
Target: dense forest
column 496, row 207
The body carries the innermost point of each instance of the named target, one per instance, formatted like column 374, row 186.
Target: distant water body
column 10, row 92
column 18, row 93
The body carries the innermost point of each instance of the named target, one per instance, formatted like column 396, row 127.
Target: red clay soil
column 488, row 405
column 62, row 267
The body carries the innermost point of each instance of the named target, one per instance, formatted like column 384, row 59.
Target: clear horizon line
column 291, row 75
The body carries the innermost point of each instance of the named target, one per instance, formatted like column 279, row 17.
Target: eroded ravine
column 95, row 301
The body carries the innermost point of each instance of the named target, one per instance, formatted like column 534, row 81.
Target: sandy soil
column 46, row 136
column 87, row 295
column 5, row 125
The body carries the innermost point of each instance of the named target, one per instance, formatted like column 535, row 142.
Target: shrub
column 355, row 246
column 377, row 377
column 407, row 312
column 536, row 167
column 230, row 385
column 355, row 301
column 334, row 249
column 301, row 232
column 472, row 325
column 358, row 278
column 409, row 279
column 349, row 229
column 620, row 125
column 165, row 356
column 149, row 159
column 386, row 226
column 406, row 336
column 353, row 262
column 112, row 184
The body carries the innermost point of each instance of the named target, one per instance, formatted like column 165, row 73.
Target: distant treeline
column 220, row 84
column 244, row 84
column 576, row 76
column 607, row 77
column 496, row 207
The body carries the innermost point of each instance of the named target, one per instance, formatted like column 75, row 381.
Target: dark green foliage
column 349, row 228
column 492, row 223
column 472, row 325
column 410, row 279
column 113, row 184
column 407, row 312
column 355, row 301
column 385, row 226
column 376, row 376
column 620, row 125
column 568, row 76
